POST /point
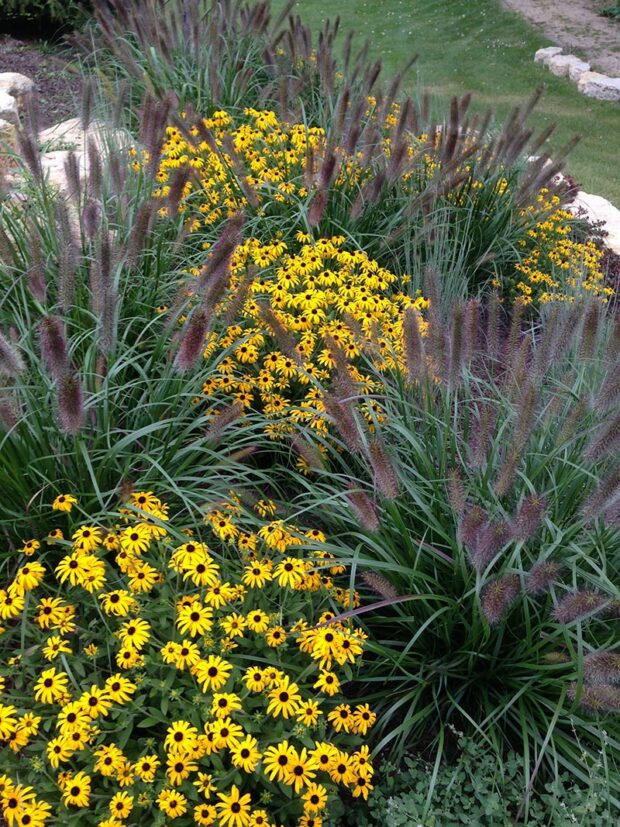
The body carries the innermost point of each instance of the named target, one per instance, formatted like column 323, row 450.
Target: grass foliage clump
column 482, row 507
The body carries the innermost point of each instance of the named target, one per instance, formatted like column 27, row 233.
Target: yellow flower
column 64, row 502
column 233, row 809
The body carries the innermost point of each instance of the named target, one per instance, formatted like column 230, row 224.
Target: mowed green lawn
column 477, row 46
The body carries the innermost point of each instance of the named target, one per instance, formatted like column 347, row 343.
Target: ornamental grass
column 479, row 520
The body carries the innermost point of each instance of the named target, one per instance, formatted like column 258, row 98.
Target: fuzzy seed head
column 576, row 605
column 497, row 596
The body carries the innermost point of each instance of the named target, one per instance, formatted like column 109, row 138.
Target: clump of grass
column 480, row 519
column 92, row 396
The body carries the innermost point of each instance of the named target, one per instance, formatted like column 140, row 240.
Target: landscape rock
column 19, row 86
column 71, row 134
column 8, row 108
column 601, row 87
column 562, row 65
column 543, row 55
column 599, row 209
column 53, row 166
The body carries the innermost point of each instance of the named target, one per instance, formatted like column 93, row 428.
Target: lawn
column 484, row 49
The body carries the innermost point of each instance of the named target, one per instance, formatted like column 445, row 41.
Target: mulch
column 57, row 87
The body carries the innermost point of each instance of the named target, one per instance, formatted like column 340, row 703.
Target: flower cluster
column 261, row 163
column 555, row 268
column 300, row 312
column 161, row 678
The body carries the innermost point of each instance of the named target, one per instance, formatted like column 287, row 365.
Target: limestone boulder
column 563, row 65
column 18, row 86
column 599, row 209
column 601, row 87
column 8, row 108
column 543, row 55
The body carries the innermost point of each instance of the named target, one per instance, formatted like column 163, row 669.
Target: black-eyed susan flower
column 284, row 698
column 55, row 646
column 308, row 713
column 195, row 619
column 314, row 798
column 181, row 736
column 341, row 718
column 121, row 805
column 30, row 576
column 233, row 809
column 301, row 770
column 76, row 792
column 213, row 673
column 275, row 636
column 134, row 634
column 118, row 602
column 224, row 703
column 257, row 574
column 245, row 754
column 179, row 766
column 119, row 689
column 234, row 624
column 50, row 686
column 172, row 803
column 363, row 719
column 146, row 767
column 205, row 814
column 64, row 502
column 86, row 538
column 327, row 682
column 277, row 759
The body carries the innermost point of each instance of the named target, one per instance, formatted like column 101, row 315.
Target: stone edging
column 592, row 84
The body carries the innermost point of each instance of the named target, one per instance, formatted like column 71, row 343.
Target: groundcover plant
column 302, row 396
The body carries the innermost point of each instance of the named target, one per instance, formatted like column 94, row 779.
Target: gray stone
column 543, row 55
column 8, row 108
column 53, row 166
column 19, row 86
column 599, row 209
column 598, row 86
column 561, row 65
column 577, row 69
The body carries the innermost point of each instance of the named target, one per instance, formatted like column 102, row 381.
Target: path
column 577, row 27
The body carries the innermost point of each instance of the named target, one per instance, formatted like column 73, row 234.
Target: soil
column 578, row 27
column 57, row 88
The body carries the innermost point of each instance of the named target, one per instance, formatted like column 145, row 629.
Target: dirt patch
column 577, row 27
column 57, row 88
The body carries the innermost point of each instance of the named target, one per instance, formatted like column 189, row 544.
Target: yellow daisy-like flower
column 233, row 809
column 64, row 502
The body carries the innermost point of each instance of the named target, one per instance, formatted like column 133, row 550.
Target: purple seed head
column 602, row 667
column 497, row 596
column 541, row 576
column 578, row 604
column 528, row 518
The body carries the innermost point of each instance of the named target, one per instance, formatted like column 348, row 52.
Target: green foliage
column 476, row 473
column 612, row 11
column 100, row 265
column 476, row 789
column 63, row 12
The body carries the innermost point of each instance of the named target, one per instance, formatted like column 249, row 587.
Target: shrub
column 292, row 174
column 483, row 509
column 162, row 677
